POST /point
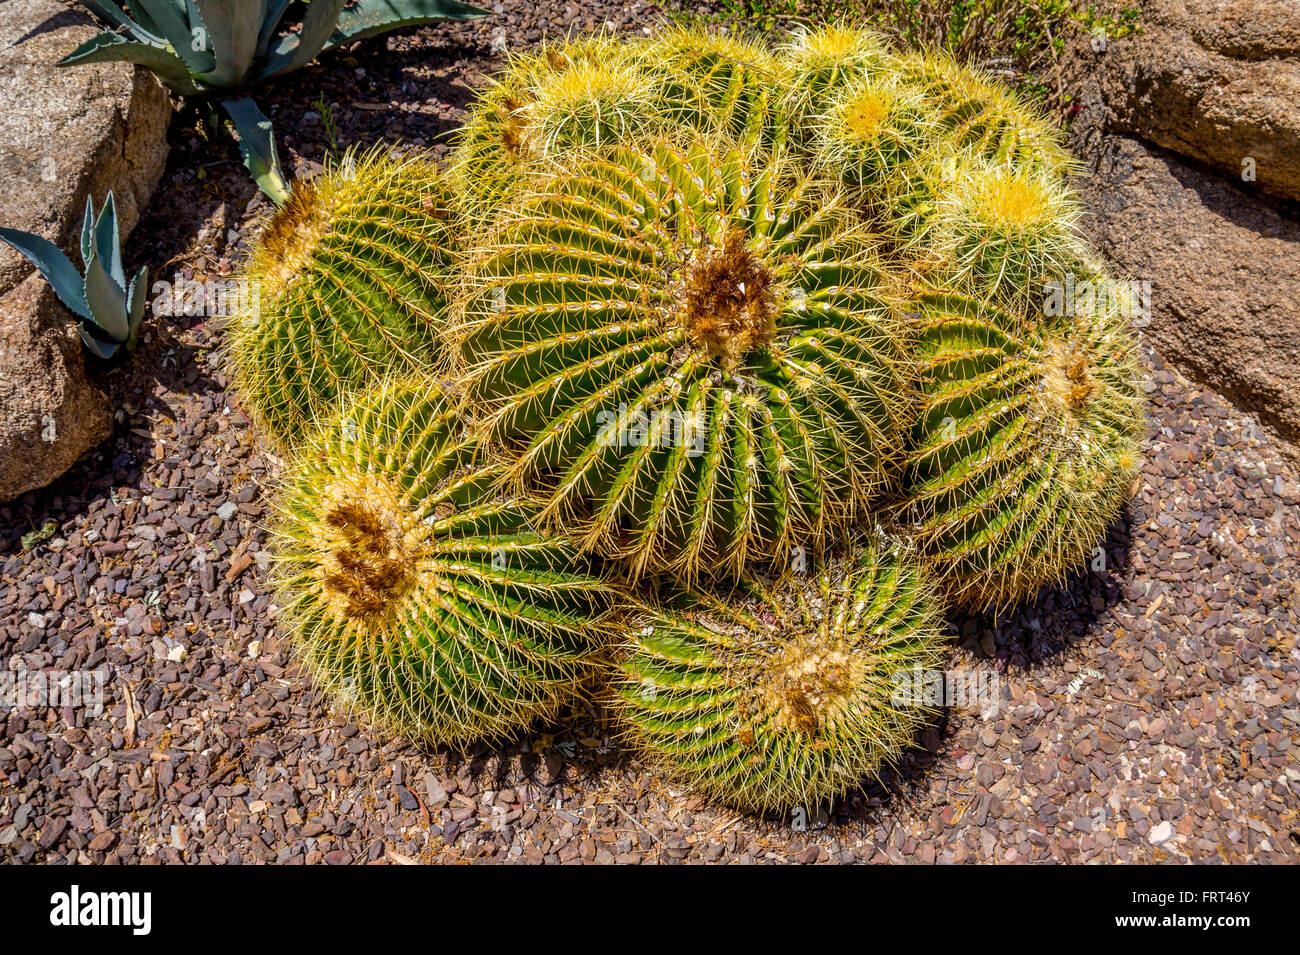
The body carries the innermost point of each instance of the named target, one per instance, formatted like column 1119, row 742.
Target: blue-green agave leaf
column 109, row 47
column 274, row 13
column 175, row 24
column 232, row 30
column 257, row 146
column 136, row 299
column 108, row 243
column 54, row 265
column 97, row 346
column 107, row 301
column 111, row 12
column 370, row 17
column 297, row 49
column 87, row 231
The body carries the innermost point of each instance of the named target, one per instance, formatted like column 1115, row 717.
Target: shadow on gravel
column 1060, row 617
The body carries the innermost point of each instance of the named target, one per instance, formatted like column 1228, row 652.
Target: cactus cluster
column 706, row 379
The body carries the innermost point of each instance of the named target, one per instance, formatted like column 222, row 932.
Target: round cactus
column 694, row 350
column 716, row 82
column 415, row 594
column 347, row 282
column 1005, row 231
column 784, row 695
column 871, row 134
column 979, row 115
column 1025, row 446
column 827, row 60
column 575, row 94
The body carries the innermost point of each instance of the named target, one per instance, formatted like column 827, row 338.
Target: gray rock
column 1161, row 833
column 49, row 412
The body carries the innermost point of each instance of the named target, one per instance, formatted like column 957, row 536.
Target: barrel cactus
column 569, row 95
column 784, row 695
column 348, row 282
column 414, row 593
column 1025, row 446
column 717, row 82
column 826, row 60
column 872, row 134
column 977, row 113
column 692, row 350
column 1005, row 231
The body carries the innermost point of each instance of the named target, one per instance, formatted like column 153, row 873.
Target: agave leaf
column 178, row 31
column 109, row 11
column 369, row 17
column 257, row 146
column 107, row 47
column 142, row 17
column 54, row 265
column 107, row 301
column 297, row 49
column 232, row 36
column 108, row 242
column 135, row 305
column 97, row 346
column 87, row 231
column 270, row 21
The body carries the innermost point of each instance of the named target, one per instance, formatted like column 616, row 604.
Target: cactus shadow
column 1058, row 618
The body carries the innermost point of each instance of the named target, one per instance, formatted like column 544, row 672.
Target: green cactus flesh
column 347, row 282
column 871, row 135
column 785, row 695
column 416, row 595
column 1025, row 446
column 1004, row 231
column 695, row 352
column 977, row 114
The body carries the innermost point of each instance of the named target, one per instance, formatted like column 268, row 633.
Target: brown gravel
column 1148, row 711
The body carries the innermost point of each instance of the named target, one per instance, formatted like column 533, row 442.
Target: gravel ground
column 1148, row 710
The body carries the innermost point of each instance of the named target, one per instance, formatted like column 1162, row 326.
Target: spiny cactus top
column 414, row 593
column 347, row 282
column 693, row 349
column 579, row 94
column 1025, row 446
column 784, row 695
column 716, row 83
column 824, row 61
column 978, row 114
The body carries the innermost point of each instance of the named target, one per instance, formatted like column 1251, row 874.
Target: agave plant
column 784, row 694
column 198, row 47
column 415, row 593
column 110, row 309
column 692, row 347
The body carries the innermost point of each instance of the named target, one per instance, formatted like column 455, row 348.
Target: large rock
column 1214, row 80
column 1224, row 268
column 49, row 414
column 65, row 133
